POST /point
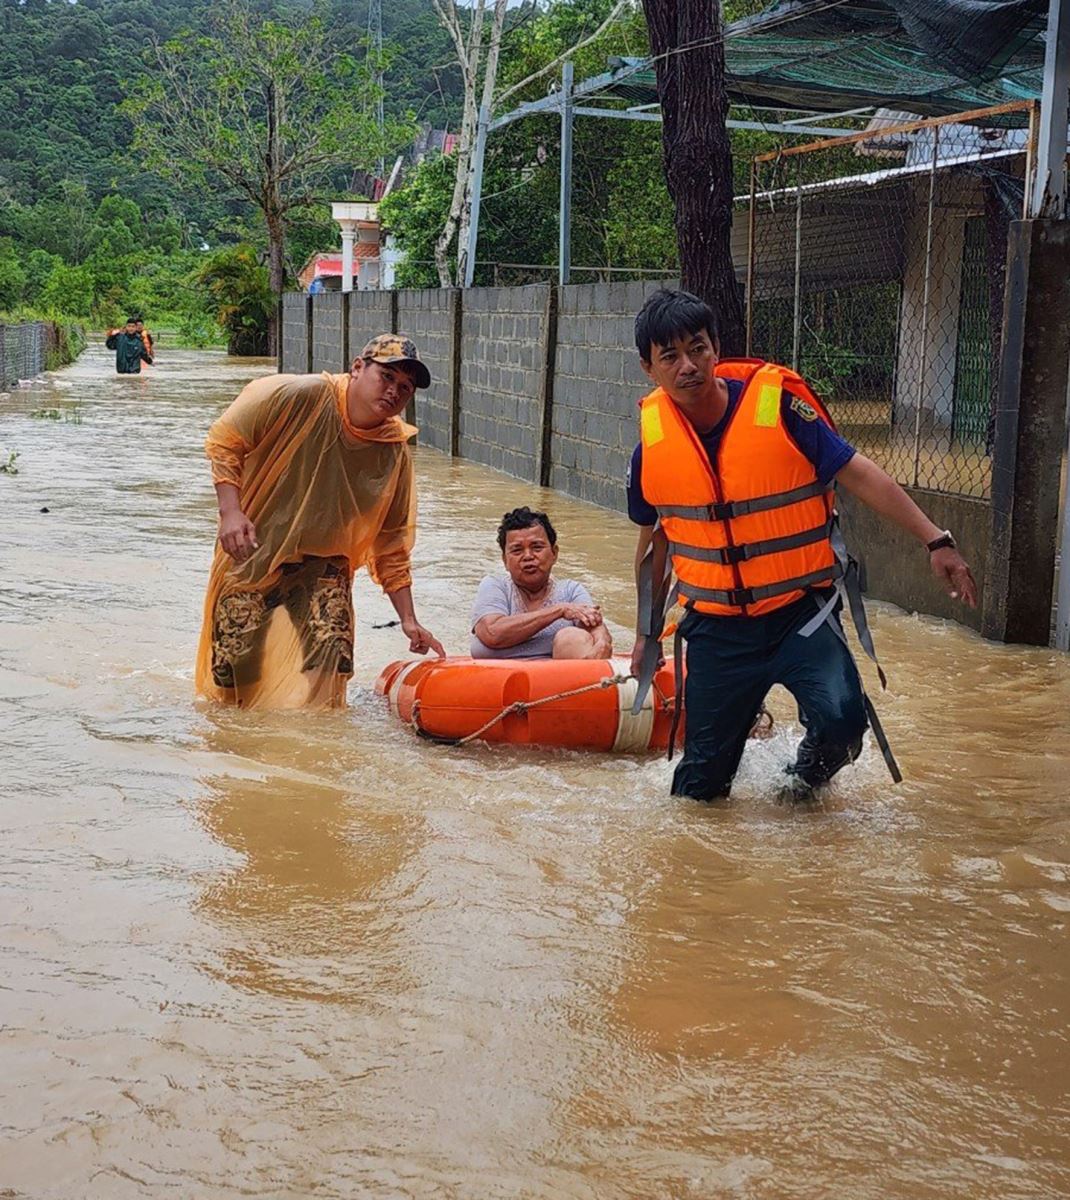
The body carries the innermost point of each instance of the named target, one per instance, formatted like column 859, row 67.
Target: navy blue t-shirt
column 816, row 439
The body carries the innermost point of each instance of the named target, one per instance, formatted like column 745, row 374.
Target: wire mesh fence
column 875, row 267
column 23, row 351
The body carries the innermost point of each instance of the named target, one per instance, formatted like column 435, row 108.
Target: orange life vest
column 751, row 532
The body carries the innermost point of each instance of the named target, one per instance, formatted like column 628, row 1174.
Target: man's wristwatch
column 944, row 542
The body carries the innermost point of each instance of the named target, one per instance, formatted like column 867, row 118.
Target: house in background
column 372, row 258
column 326, row 267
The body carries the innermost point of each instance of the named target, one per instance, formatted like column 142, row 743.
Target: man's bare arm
column 879, row 491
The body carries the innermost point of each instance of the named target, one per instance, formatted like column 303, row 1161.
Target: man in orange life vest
column 732, row 481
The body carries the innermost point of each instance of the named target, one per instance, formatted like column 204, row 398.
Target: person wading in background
column 147, row 339
column 130, row 350
column 314, row 478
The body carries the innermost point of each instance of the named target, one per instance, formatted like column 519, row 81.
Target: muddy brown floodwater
column 290, row 955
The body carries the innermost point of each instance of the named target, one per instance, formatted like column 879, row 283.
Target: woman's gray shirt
column 498, row 596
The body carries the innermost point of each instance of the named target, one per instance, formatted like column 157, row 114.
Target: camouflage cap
column 396, row 348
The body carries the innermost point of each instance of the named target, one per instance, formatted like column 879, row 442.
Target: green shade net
column 930, row 57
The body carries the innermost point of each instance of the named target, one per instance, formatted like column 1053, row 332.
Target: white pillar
column 347, row 257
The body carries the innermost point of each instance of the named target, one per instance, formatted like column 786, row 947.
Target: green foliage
column 72, row 415
column 68, row 290
column 107, row 207
column 9, row 460
column 70, row 342
column 312, row 229
column 264, row 109
column 621, row 215
column 12, row 275
column 239, row 286
column 414, row 216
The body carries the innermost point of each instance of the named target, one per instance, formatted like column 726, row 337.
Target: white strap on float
column 634, row 730
column 395, row 691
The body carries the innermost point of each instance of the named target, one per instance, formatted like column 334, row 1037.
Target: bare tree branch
column 618, row 8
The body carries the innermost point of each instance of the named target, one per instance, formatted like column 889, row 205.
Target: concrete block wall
column 370, row 312
column 327, row 349
column 597, row 387
column 293, row 356
column 503, row 351
column 545, row 383
column 427, row 317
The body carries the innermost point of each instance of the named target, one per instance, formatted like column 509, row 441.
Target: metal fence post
column 796, row 326
column 482, row 130
column 926, row 296
column 564, row 232
column 750, row 254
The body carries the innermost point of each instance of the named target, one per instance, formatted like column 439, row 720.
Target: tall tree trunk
column 276, row 226
column 490, row 79
column 276, row 274
column 697, row 156
column 469, row 58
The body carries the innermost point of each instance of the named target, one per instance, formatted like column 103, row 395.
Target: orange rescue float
column 583, row 704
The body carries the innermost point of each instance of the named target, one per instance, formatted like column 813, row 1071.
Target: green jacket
column 130, row 352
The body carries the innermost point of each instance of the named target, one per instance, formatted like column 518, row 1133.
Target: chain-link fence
column 23, row 351
column 875, row 267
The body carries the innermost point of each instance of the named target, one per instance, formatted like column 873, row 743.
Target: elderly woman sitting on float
column 528, row 614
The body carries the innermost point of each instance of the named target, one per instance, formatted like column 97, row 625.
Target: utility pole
column 564, row 229
column 375, row 52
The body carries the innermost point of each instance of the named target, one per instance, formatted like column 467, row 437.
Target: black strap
column 678, row 702
column 852, row 586
column 653, row 604
column 728, row 555
column 738, row 597
column 882, row 740
column 730, row 509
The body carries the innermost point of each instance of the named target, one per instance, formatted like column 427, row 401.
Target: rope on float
column 519, row 707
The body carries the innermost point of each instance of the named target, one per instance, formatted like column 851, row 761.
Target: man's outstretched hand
column 421, row 640
column 952, row 570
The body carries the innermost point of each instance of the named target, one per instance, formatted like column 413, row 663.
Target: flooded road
column 286, row 955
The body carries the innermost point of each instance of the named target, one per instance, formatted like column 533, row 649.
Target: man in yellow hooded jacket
column 314, row 480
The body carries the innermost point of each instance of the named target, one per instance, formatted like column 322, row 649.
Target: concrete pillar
column 1029, row 433
column 309, row 333
column 546, row 388
column 456, row 331
column 348, row 233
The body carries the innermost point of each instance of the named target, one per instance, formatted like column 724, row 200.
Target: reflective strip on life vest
column 728, row 555
column 743, row 508
column 738, row 597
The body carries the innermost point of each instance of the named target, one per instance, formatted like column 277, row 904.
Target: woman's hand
column 586, row 616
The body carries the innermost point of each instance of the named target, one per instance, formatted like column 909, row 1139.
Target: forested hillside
column 84, row 227
column 89, row 230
